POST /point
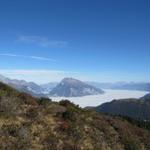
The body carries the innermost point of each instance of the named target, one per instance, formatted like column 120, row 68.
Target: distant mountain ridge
column 49, row 89
column 23, row 86
column 122, row 85
column 134, row 108
column 70, row 87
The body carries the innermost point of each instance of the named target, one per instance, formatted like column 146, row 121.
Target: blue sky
column 98, row 40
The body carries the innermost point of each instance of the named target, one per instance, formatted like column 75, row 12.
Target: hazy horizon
column 29, row 78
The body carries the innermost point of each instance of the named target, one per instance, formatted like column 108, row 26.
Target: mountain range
column 122, row 85
column 33, row 123
column 23, row 86
column 68, row 87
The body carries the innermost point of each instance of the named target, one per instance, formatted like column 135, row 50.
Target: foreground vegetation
column 27, row 123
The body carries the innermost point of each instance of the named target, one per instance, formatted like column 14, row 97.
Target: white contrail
column 31, row 57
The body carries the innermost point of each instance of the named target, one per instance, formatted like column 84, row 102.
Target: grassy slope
column 27, row 123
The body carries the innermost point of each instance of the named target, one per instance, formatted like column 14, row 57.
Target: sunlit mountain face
column 70, row 87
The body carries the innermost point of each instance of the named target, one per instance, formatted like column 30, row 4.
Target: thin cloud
column 38, row 76
column 42, row 41
column 28, row 57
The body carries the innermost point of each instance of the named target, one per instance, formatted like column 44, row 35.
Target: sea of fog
column 109, row 95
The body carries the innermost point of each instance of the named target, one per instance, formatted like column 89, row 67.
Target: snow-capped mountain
column 23, row 86
column 70, row 87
